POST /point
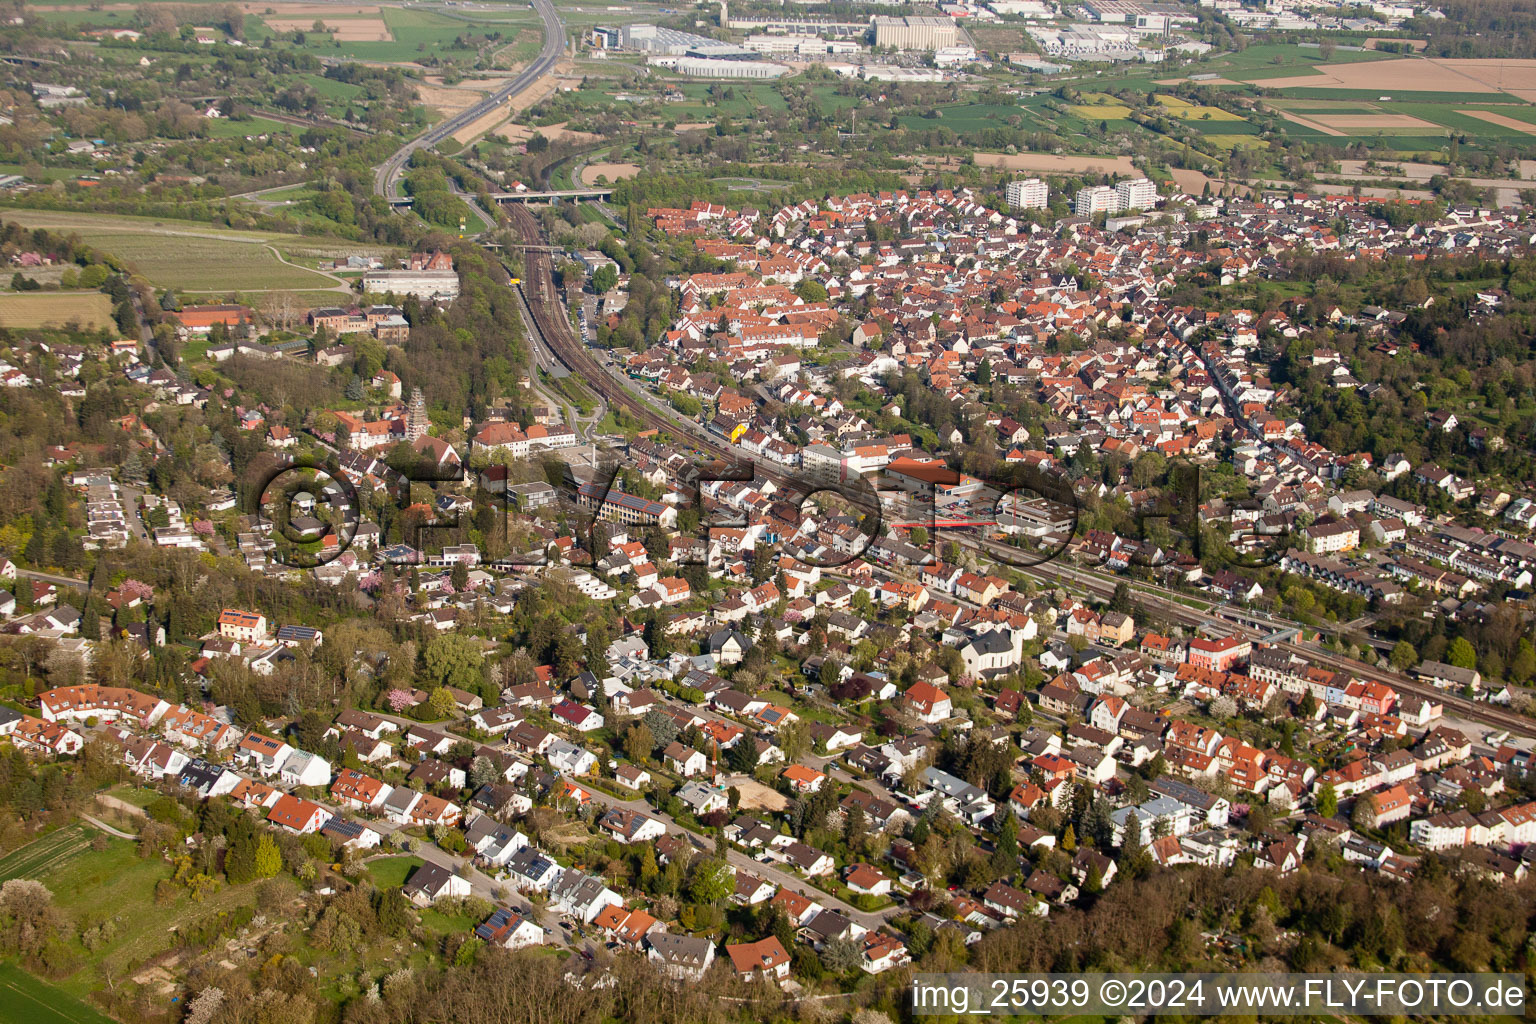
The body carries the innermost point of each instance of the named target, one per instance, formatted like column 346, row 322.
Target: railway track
column 1168, row 608
column 550, row 320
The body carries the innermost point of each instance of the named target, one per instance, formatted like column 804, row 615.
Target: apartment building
column 1027, row 194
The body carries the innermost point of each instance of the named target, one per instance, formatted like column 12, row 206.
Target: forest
column 1479, row 28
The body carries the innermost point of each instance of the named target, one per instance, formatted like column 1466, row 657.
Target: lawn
column 54, row 309
column 28, row 1000
column 191, row 256
column 224, row 128
column 331, row 89
column 737, row 99
column 439, row 923
column 391, row 872
column 139, row 796
column 831, row 100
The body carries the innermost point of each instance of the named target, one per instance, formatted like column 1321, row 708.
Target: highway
column 386, row 179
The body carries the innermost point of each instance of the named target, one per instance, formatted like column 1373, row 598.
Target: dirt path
column 112, row 801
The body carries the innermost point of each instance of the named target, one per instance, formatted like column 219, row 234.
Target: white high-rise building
column 1027, row 194
column 1136, row 194
column 1096, row 199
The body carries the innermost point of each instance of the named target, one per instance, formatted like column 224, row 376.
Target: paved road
column 131, row 510
column 48, row 577
column 386, row 178
column 108, row 829
column 768, row 872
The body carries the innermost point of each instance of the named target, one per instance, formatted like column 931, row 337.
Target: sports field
column 22, row 310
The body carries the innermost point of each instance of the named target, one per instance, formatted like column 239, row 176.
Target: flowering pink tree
column 137, row 588
column 369, row 581
column 399, row 700
column 202, row 527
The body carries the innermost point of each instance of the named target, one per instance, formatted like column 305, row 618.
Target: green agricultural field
column 21, row 310
column 1451, row 117
column 1227, row 127
column 207, row 264
column 972, row 117
column 418, row 33
column 1273, row 60
column 25, row 999
column 1237, row 141
column 1370, row 95
column 46, row 853
column 1101, row 111
column 1308, row 107
column 195, row 257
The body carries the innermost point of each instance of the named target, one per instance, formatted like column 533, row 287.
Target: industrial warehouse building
column 710, row 67
column 916, row 32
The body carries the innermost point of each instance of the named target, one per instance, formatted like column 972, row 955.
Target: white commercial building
column 1027, row 194
column 948, row 56
column 659, row 39
column 798, row 45
column 706, row 67
column 424, row 284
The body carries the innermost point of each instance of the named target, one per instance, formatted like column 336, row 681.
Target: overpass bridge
column 551, row 196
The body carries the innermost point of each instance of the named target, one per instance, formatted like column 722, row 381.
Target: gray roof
column 683, row 950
